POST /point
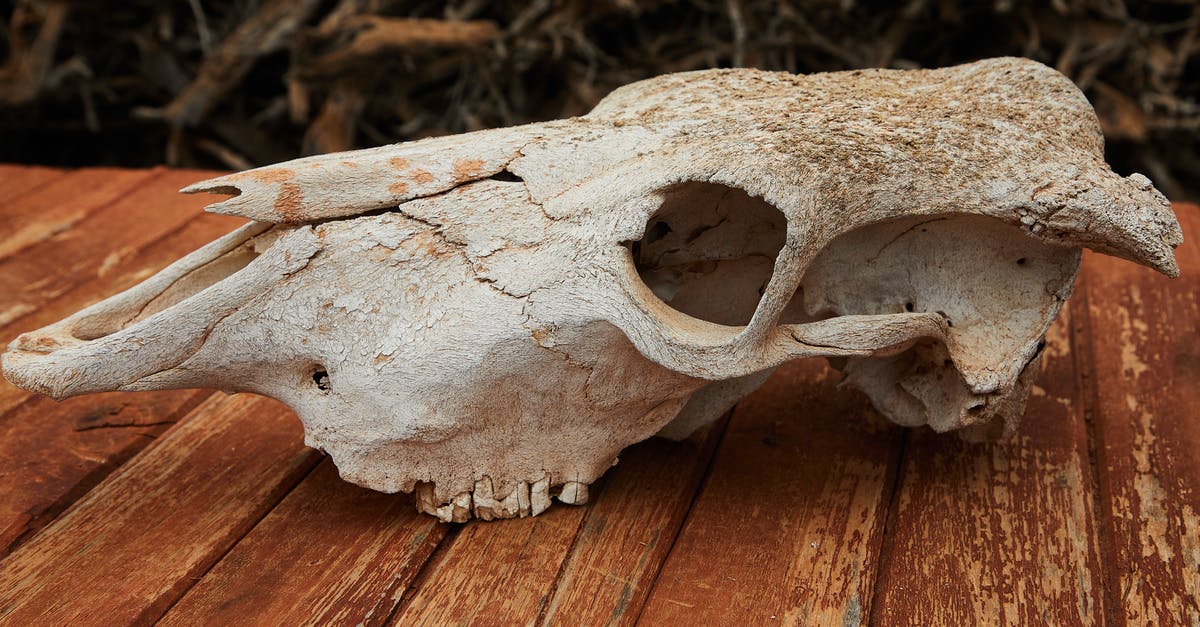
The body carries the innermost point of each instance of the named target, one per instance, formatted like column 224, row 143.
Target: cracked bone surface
column 488, row 319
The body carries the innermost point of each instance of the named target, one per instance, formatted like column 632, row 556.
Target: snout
column 155, row 325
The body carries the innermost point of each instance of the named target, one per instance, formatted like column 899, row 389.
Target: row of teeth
column 527, row 499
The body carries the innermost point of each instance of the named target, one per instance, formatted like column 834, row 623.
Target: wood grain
column 365, row 548
column 18, row 180
column 1146, row 352
column 330, row 553
column 496, row 573
column 592, row 564
column 787, row 528
column 57, row 206
column 1003, row 531
column 628, row 531
column 51, row 453
column 136, row 543
column 89, row 248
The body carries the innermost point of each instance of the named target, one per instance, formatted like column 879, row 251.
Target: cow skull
column 488, row 319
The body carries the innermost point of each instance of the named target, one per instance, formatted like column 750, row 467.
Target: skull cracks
column 488, row 319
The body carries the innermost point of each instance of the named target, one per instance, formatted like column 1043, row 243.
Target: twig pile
column 236, row 83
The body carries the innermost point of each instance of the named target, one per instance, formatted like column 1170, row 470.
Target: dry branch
column 268, row 30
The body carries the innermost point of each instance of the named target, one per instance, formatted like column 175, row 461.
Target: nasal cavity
column 709, row 251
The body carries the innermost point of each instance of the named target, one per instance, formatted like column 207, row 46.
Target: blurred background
column 238, row 83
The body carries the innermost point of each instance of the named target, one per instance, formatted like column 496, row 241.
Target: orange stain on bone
column 467, row 168
column 267, row 175
column 421, row 176
column 400, row 163
column 398, row 188
column 288, row 203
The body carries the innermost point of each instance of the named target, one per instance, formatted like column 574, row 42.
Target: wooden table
column 804, row 506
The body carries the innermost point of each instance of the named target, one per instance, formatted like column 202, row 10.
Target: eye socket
column 709, row 251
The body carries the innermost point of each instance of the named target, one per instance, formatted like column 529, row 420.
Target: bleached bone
column 489, row 319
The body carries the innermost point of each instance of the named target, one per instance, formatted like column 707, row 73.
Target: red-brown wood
column 18, row 180
column 131, row 547
column 60, row 204
column 628, row 531
column 365, row 548
column 91, row 246
column 1003, row 531
column 1088, row 516
column 1146, row 394
column 496, row 574
column 330, row 553
column 592, row 564
column 788, row 526
column 51, row 453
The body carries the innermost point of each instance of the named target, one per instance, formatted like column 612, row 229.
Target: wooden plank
column 137, row 542
column 1146, row 397
column 18, row 180
column 330, row 553
column 787, row 528
column 629, row 530
column 64, row 202
column 84, row 287
column 98, row 252
column 593, row 563
column 89, row 248
column 52, row 453
column 1000, row 532
column 369, row 546
column 499, row 572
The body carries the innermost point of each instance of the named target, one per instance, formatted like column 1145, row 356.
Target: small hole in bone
column 1021, row 261
column 709, row 251
column 321, row 378
column 908, row 306
column 507, row 177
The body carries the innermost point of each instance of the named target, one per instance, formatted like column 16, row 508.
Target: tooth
column 511, row 505
column 457, row 510
column 574, row 493
column 539, row 495
column 424, row 499
column 486, row 506
column 523, row 499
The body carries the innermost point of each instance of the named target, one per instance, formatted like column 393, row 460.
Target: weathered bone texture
column 488, row 319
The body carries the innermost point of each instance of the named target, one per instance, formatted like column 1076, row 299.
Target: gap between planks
column 1146, row 390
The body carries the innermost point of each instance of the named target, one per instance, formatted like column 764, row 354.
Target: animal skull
column 489, row 318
